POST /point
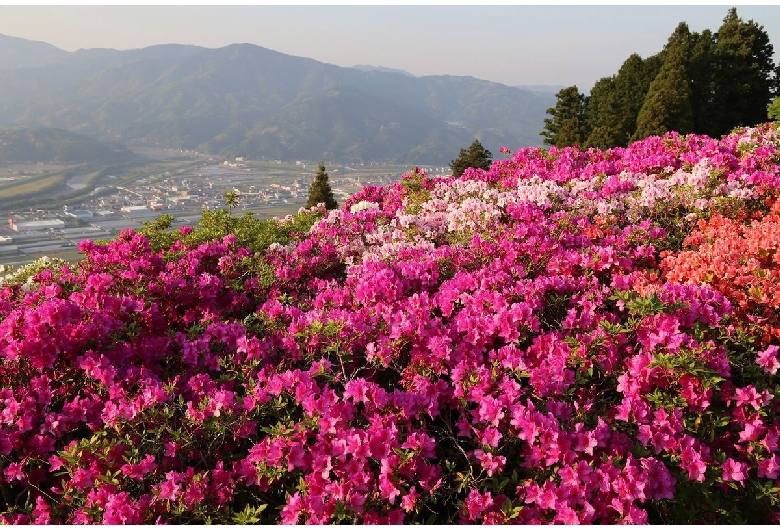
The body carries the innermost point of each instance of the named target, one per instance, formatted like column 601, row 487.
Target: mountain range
column 246, row 100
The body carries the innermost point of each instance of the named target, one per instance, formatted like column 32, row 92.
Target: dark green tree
column 667, row 106
column 613, row 106
column 475, row 156
column 566, row 126
column 743, row 72
column 320, row 191
column 602, row 115
column 632, row 83
column 700, row 68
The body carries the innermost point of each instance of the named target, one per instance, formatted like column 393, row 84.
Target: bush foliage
column 568, row 337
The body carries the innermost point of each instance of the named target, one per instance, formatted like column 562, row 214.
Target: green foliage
column 704, row 83
column 602, row 115
column 631, row 85
column 417, row 192
column 252, row 233
column 475, row 156
column 567, row 123
column 744, row 62
column 614, row 103
column 320, row 191
column 773, row 111
column 667, row 106
column 231, row 199
column 702, row 76
column 23, row 275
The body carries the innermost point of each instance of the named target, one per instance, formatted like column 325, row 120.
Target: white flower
column 363, row 205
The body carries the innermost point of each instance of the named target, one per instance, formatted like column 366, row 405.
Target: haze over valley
column 245, row 100
column 85, row 131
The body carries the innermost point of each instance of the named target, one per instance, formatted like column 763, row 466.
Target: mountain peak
column 372, row 68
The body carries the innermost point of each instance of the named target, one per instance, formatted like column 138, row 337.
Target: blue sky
column 511, row 44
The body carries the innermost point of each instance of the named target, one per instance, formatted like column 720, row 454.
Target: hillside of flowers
column 573, row 336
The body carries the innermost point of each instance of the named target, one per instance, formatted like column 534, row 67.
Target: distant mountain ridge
column 257, row 102
column 21, row 53
column 369, row 67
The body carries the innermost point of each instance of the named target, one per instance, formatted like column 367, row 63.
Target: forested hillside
column 247, row 100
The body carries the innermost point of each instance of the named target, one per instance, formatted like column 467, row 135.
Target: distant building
column 36, row 226
column 80, row 214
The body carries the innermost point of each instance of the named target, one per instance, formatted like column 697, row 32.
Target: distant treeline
column 704, row 83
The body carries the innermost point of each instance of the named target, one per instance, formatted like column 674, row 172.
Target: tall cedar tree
column 667, row 106
column 701, row 75
column 476, row 156
column 602, row 115
column 614, row 103
column 567, row 125
column 744, row 68
column 632, row 84
column 730, row 81
column 320, row 191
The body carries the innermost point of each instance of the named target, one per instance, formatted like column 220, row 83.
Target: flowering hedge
column 570, row 337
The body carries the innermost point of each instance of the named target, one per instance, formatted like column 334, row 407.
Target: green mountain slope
column 56, row 145
column 235, row 98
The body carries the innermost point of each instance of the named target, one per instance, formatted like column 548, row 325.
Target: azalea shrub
column 572, row 336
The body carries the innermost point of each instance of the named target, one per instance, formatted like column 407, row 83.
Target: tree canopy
column 567, row 125
column 475, row 156
column 743, row 86
column 705, row 83
column 667, row 105
column 320, row 191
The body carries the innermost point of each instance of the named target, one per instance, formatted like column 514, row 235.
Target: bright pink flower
column 388, row 489
column 768, row 360
column 170, row 488
column 769, row 468
column 734, row 471
column 476, row 503
column 489, row 462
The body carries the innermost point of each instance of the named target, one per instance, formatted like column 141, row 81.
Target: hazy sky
column 512, row 44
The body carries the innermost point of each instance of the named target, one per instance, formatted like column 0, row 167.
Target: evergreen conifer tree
column 567, row 123
column 700, row 67
column 602, row 115
column 667, row 106
column 612, row 108
column 743, row 76
column 632, row 83
column 475, row 156
column 320, row 191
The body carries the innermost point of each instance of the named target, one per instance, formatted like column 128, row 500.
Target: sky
column 511, row 44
